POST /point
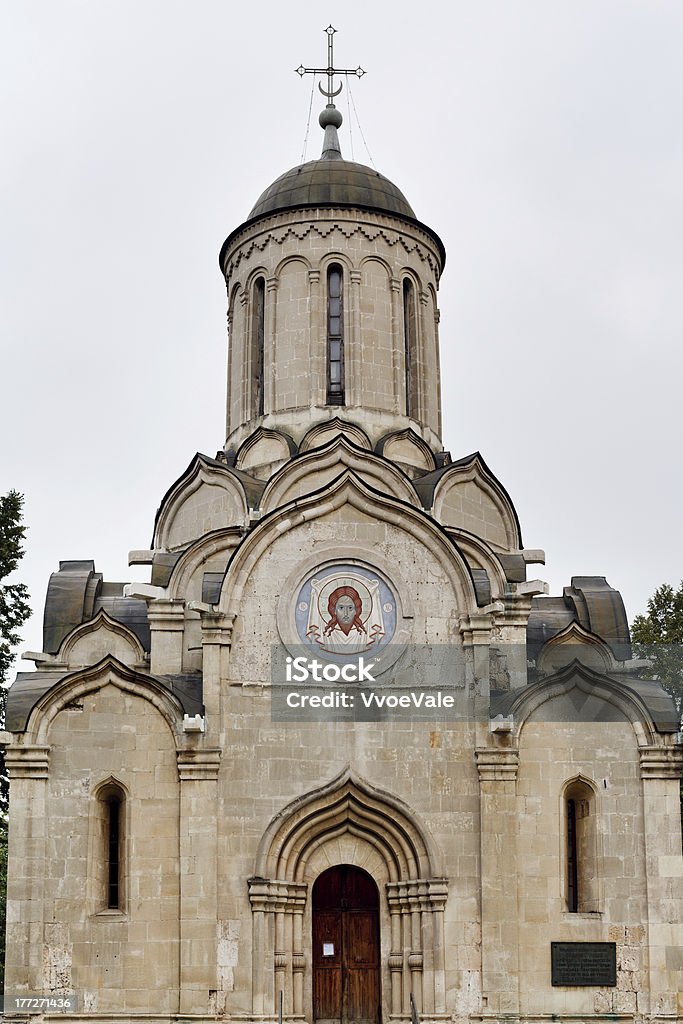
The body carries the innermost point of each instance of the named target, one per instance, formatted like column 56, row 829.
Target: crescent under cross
column 330, row 70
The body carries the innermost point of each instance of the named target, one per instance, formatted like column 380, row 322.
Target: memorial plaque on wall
column 584, row 963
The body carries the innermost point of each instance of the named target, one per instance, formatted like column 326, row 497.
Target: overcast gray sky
column 541, row 139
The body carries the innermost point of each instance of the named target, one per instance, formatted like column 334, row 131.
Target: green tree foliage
column 14, row 611
column 659, row 637
column 3, row 898
column 14, row 607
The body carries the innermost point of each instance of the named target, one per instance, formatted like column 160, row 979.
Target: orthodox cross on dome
column 330, row 70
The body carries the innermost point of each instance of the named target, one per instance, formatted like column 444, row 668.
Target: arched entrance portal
column 348, row 822
column 346, row 987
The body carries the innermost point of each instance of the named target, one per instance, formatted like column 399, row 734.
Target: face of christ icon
column 344, row 608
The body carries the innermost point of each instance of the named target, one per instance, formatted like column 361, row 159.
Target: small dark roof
column 76, row 593
column 591, row 602
column 25, row 691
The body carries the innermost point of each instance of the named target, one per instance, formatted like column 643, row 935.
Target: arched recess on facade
column 237, row 320
column 594, row 698
column 411, row 345
column 581, row 853
column 348, row 821
column 107, row 671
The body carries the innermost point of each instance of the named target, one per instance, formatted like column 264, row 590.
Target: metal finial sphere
column 330, row 115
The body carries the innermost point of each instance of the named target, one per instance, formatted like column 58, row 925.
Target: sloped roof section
column 29, row 687
column 76, row 592
column 591, row 602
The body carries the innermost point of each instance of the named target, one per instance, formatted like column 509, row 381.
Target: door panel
column 327, row 969
column 346, row 986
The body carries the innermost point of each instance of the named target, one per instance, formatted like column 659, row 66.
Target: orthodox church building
column 202, row 828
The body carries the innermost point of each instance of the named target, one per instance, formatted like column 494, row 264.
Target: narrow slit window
column 335, row 337
column 572, row 879
column 113, row 853
column 410, row 344
column 581, row 849
column 257, row 345
column 107, row 875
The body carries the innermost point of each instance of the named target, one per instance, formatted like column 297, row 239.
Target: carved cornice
column 27, row 762
column 274, row 896
column 661, row 762
column 217, row 628
column 497, row 765
column 417, row 894
column 167, row 615
column 199, row 765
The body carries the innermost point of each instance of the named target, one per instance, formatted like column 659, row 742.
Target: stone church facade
column 181, row 852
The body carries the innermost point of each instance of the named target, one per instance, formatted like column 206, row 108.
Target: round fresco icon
column 345, row 609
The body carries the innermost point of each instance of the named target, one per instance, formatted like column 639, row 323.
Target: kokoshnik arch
column 177, row 855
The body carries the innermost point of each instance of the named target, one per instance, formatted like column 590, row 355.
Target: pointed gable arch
column 98, row 638
column 467, row 495
column 313, row 470
column 480, row 555
column 405, row 447
column 206, row 497
column 347, row 489
column 320, row 434
column 347, row 803
column 185, row 582
column 575, row 643
column 264, row 451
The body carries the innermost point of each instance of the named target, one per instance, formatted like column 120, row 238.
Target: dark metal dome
column 328, row 182
column 332, row 181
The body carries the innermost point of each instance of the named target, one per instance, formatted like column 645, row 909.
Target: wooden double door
column 346, row 986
